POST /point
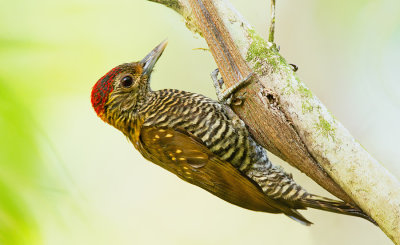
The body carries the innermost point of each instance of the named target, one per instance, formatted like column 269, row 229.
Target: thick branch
column 261, row 110
column 286, row 118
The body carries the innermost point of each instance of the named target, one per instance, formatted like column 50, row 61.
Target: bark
column 287, row 119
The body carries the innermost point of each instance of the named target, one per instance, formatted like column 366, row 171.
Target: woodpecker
column 202, row 141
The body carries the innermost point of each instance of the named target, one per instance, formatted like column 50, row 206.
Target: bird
column 202, row 141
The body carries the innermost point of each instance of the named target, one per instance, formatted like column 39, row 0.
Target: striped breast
column 204, row 118
column 227, row 138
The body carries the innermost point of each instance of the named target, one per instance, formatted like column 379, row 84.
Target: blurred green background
column 68, row 178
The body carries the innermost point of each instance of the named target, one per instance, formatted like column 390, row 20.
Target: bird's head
column 124, row 87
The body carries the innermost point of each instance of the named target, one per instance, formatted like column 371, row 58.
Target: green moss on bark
column 325, row 128
column 263, row 54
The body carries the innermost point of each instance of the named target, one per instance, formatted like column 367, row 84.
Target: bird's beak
column 150, row 60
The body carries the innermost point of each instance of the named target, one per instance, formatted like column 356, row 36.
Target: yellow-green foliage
column 19, row 172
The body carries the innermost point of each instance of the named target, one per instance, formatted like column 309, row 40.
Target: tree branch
column 287, row 119
column 272, row 25
column 261, row 110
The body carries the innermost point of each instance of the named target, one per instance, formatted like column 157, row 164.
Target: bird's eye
column 127, row 81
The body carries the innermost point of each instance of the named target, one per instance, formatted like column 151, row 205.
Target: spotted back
column 183, row 155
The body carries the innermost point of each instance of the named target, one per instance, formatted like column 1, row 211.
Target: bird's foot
column 226, row 96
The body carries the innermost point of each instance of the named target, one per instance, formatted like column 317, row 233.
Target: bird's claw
column 226, row 96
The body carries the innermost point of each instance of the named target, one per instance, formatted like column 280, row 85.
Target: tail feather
column 327, row 204
column 296, row 216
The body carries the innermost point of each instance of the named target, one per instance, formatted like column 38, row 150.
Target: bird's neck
column 123, row 115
